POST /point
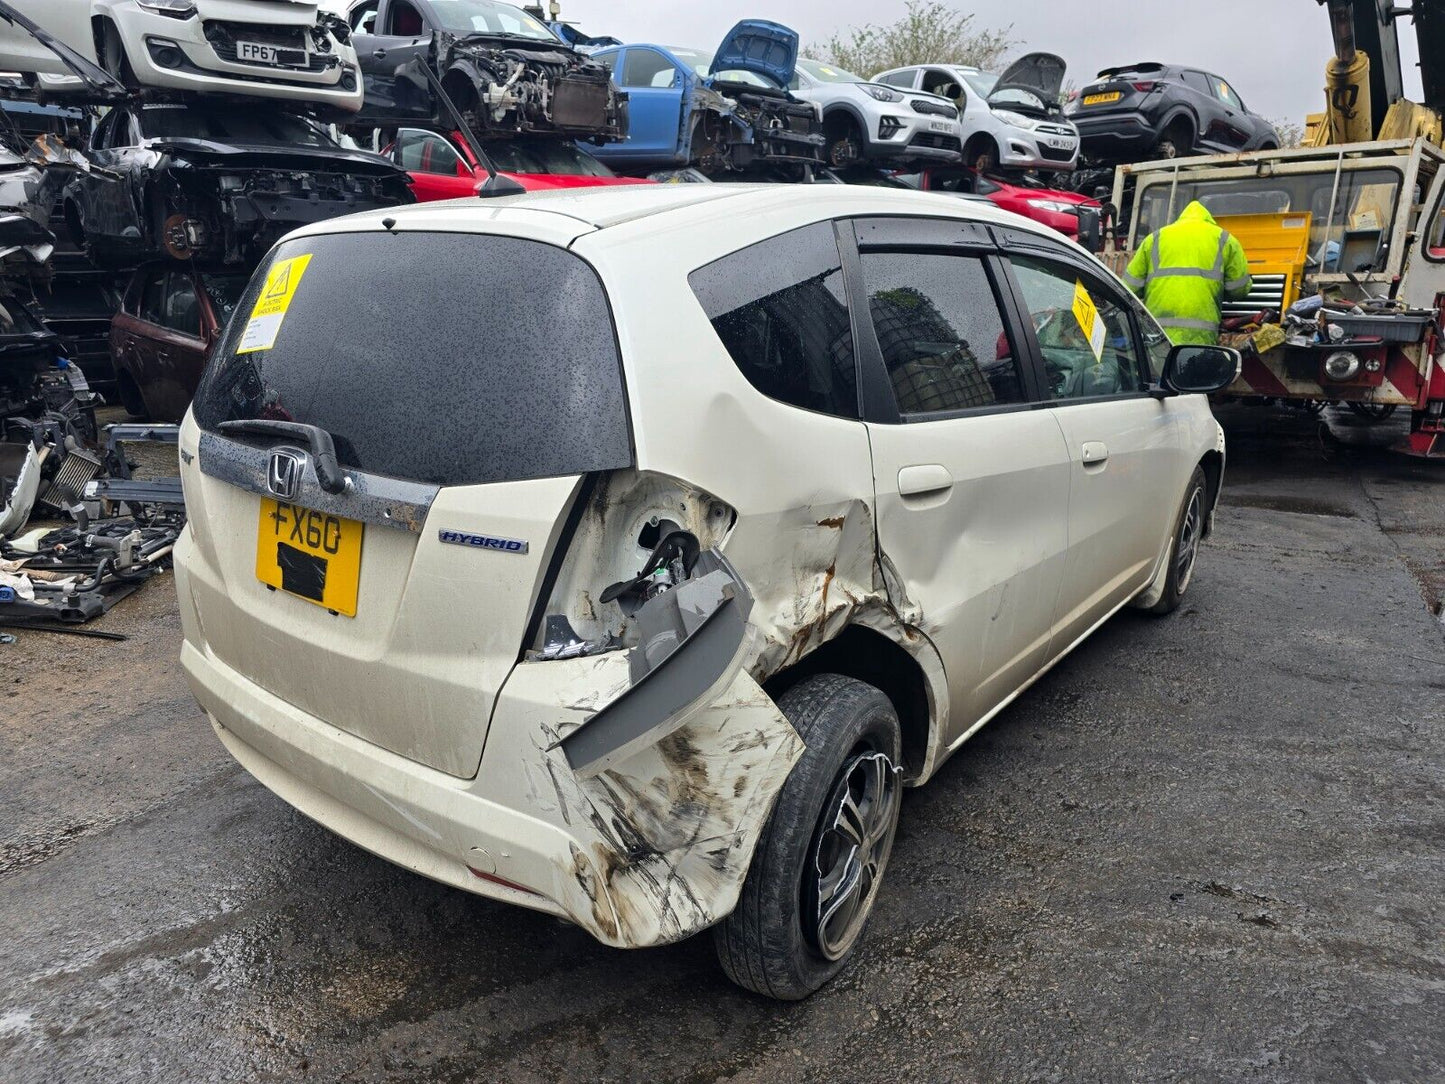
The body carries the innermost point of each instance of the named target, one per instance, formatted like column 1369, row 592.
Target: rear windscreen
column 445, row 358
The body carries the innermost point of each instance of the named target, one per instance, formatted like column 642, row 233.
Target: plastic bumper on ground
column 194, row 65
column 649, row 851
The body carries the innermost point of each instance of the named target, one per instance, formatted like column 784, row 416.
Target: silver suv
column 863, row 120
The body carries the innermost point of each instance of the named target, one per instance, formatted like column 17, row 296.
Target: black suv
column 1142, row 111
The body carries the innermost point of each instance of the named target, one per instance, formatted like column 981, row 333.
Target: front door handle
column 1094, row 452
column 924, row 479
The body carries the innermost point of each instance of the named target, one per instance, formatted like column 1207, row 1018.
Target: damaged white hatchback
column 622, row 554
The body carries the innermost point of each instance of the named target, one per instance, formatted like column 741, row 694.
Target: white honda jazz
column 622, row 554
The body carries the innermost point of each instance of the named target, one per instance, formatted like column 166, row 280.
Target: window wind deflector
column 318, row 441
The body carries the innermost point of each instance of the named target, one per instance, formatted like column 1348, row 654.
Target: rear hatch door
column 468, row 382
column 1118, row 89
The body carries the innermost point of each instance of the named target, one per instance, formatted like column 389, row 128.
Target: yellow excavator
column 1364, row 85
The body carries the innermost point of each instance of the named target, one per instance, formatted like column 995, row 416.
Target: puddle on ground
column 1307, row 506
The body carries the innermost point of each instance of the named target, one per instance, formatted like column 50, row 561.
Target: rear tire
column 1184, row 545
column 820, row 860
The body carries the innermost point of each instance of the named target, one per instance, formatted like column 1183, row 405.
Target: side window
column 183, row 310
column 425, row 152
column 1200, row 82
column 941, row 333
column 899, row 79
column 120, row 133
column 936, row 81
column 363, row 18
column 779, row 309
column 647, row 68
column 101, row 136
column 1084, row 332
column 1226, row 94
column 405, row 20
column 153, row 298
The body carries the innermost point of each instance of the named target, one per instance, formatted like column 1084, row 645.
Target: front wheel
column 820, row 861
column 1184, row 548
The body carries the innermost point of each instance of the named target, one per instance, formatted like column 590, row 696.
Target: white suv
column 863, row 120
column 1013, row 121
column 286, row 50
column 637, row 599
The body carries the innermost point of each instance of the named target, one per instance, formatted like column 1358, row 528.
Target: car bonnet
column 1041, row 73
column 764, row 48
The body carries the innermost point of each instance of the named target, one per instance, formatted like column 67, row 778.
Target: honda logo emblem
column 283, row 474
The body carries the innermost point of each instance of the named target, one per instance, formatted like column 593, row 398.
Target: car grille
column 936, row 141
column 934, row 109
column 224, row 35
column 1058, row 130
column 1265, row 292
column 1056, row 154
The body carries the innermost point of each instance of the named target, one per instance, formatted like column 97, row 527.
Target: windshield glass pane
column 544, row 156
column 230, row 126
column 433, row 357
column 825, row 73
column 485, row 17
column 981, row 83
column 1353, row 239
column 700, row 62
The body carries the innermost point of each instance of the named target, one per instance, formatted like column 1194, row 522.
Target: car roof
column 562, row 216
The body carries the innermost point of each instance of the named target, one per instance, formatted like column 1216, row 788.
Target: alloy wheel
column 1188, row 547
column 847, row 859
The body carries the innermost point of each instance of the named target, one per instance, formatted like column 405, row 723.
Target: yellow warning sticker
column 1090, row 322
column 265, row 322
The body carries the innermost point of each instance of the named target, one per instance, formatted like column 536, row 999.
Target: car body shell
column 161, row 336
column 316, row 67
column 446, row 168
column 504, row 86
column 917, row 127
column 1158, row 101
column 230, row 201
column 1046, row 142
column 1028, row 201
column 326, row 710
column 680, row 118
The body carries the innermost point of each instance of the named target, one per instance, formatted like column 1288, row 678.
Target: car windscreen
column 485, row 17
column 826, row 73
column 981, row 83
column 700, row 62
column 230, row 126
column 544, row 156
column 443, row 358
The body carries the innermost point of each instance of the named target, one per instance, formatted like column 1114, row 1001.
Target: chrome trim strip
column 370, row 498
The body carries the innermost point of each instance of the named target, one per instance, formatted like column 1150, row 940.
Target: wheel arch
column 920, row 697
column 1212, row 463
column 846, row 110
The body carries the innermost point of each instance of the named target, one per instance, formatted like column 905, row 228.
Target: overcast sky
column 1272, row 51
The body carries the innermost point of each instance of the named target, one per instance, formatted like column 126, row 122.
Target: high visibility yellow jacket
column 1184, row 270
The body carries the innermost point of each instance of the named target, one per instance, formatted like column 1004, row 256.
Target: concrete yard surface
column 1206, row 847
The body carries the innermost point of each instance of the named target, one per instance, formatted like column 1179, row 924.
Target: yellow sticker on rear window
column 1090, row 322
column 265, row 322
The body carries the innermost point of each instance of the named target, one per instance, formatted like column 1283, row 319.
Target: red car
column 1052, row 207
column 444, row 167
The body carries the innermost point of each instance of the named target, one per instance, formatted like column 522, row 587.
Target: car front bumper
column 650, row 851
column 1023, row 149
column 898, row 134
column 175, row 54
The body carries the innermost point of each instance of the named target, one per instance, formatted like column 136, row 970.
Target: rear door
column 1212, row 130
column 179, row 347
column 465, row 405
column 1126, row 449
column 972, row 480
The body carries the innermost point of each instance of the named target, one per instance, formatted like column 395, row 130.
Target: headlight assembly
column 881, row 93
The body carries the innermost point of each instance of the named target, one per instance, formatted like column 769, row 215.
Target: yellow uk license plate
column 1103, row 99
column 313, row 555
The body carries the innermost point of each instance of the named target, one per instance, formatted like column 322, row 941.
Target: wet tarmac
column 1208, row 847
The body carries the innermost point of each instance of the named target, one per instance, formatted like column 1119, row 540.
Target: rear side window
column 779, row 309
column 445, row 358
column 940, row 331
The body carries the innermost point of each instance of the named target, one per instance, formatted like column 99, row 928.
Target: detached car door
column 972, row 481
column 1126, row 449
column 654, row 86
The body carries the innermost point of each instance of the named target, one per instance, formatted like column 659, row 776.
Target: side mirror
column 1196, row 370
column 1091, row 229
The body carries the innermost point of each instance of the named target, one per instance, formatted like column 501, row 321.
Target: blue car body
column 735, row 114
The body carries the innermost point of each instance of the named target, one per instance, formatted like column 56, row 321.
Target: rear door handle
column 1094, row 452
column 924, row 479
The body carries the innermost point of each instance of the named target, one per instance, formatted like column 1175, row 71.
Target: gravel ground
column 1205, row 847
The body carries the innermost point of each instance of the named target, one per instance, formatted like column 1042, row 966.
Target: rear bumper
column 1116, row 134
column 651, row 851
